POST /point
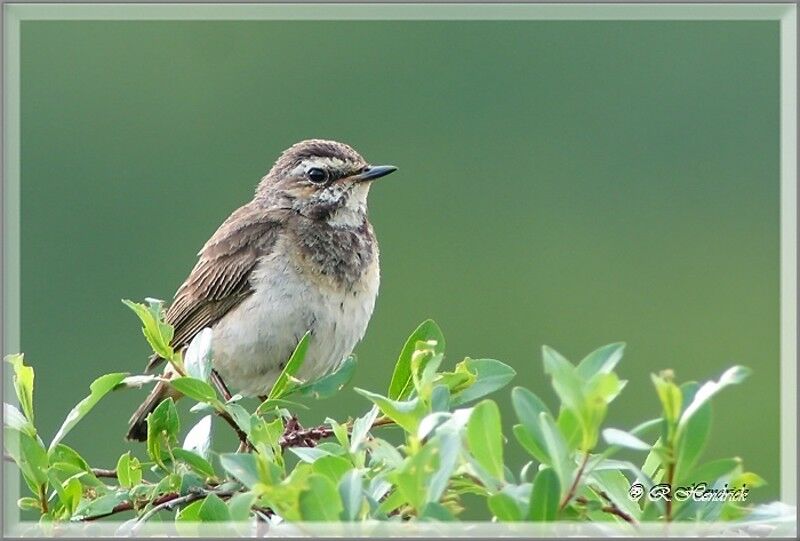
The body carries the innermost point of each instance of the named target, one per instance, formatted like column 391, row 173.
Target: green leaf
column 190, row 513
column 332, row 467
column 309, row 454
column 213, row 509
column 505, row 507
column 194, row 461
column 401, row 384
column 29, row 455
column 692, row 440
column 97, row 390
column 13, row 418
column 239, row 506
column 62, row 453
column 413, row 476
column 194, row 388
column 440, row 398
column 198, row 356
column 73, row 491
column 435, row 511
column 329, row 385
column 28, row 503
column 621, row 438
column 601, row 361
column 407, row 414
column 731, row 376
column 243, row 467
column 276, row 403
column 490, row 375
column 458, row 380
column 671, row 399
column 241, row 416
column 23, row 383
column 321, row 501
column 100, row 506
column 157, row 332
column 361, row 428
column 162, row 430
column 565, row 381
column 267, row 433
column 198, row 439
column 545, row 497
column 530, row 444
column 617, row 487
column 340, row 431
column 447, row 444
column 351, row 492
column 383, row 452
column 710, row 472
column 528, row 407
column 571, row 428
column 603, row 387
column 485, row 437
column 129, row 471
column 293, row 365
column 556, row 449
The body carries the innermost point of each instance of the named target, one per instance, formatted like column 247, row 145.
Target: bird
column 300, row 256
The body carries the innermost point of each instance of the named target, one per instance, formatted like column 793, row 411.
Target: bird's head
column 322, row 180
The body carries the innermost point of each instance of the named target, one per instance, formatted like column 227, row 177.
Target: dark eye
column 317, row 175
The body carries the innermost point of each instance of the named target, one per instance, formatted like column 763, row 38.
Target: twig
column 169, row 504
column 670, row 479
column 219, row 383
column 129, row 506
column 571, row 492
column 611, row 509
column 296, row 436
column 100, row 472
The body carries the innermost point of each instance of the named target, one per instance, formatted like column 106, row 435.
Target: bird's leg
column 216, row 379
column 220, row 385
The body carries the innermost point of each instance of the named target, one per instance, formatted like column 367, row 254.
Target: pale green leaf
column 213, row 509
column 321, row 501
column 23, row 383
column 281, row 387
column 241, row 466
column 97, row 390
column 490, row 375
column 505, row 507
column 194, row 388
column 601, row 360
column 545, row 496
column 198, row 356
column 485, row 437
column 330, row 384
column 621, row 438
column 239, row 506
column 731, row 376
column 407, row 414
column 401, row 384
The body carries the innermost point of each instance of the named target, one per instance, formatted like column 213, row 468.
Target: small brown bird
column 300, row 256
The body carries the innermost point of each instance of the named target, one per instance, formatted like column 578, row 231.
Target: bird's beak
column 373, row 172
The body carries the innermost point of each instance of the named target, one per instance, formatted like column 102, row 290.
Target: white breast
column 251, row 343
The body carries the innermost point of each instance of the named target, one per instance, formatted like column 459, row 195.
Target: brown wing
column 221, row 278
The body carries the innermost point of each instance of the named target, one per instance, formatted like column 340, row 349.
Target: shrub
column 452, row 445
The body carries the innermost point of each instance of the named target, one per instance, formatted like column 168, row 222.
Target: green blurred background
column 563, row 183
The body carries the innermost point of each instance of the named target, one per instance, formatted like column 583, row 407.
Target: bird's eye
column 317, row 175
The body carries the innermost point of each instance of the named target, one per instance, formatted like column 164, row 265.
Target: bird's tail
column 137, row 426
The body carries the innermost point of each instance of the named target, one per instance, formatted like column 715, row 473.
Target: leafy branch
column 452, row 444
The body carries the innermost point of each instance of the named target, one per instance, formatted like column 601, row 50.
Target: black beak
column 375, row 171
